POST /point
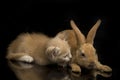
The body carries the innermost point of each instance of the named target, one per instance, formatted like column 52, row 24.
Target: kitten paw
column 26, row 58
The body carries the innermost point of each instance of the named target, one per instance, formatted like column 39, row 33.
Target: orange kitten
column 39, row 48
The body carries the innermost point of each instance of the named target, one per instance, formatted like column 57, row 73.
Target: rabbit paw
column 26, row 58
column 105, row 68
column 105, row 71
column 75, row 68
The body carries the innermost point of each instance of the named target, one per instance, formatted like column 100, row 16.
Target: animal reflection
column 37, row 72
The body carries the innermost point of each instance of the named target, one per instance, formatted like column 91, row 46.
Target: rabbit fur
column 82, row 49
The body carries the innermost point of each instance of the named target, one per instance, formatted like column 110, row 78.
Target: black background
column 51, row 17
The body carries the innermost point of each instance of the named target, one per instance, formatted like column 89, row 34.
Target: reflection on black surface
column 35, row 72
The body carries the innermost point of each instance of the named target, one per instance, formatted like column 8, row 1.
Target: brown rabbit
column 82, row 49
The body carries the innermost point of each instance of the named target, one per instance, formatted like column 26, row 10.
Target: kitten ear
column 53, row 51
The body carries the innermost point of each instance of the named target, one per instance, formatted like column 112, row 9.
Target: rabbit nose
column 91, row 65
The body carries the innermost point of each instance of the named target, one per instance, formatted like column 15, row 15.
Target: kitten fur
column 39, row 48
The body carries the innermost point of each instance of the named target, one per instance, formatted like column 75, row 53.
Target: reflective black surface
column 54, row 16
column 50, row 72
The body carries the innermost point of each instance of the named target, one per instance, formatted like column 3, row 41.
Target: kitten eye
column 65, row 56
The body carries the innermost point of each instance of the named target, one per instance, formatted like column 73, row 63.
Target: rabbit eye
column 82, row 54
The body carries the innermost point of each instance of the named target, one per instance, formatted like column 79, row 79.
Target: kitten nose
column 91, row 65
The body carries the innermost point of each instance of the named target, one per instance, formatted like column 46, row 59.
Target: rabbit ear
column 92, row 32
column 79, row 35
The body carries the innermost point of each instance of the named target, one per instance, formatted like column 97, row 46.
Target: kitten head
column 58, row 51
